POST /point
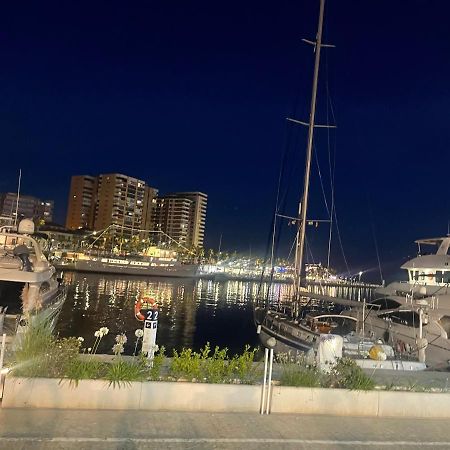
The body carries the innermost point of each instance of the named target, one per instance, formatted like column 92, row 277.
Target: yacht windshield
column 386, row 303
column 408, row 318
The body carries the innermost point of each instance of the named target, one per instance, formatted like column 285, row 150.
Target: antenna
column 18, row 196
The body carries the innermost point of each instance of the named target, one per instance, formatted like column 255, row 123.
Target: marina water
column 192, row 311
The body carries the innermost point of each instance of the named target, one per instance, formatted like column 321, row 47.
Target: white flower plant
column 118, row 347
column 139, row 333
column 120, row 341
column 99, row 334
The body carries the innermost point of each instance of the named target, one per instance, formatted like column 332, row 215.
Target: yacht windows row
column 440, row 276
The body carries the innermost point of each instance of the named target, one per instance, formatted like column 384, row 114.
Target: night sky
column 194, row 95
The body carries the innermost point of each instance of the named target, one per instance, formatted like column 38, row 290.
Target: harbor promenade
column 100, row 430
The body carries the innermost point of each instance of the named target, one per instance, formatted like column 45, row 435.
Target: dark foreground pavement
column 98, row 430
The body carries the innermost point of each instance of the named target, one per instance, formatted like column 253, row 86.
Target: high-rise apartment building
column 98, row 202
column 182, row 217
column 110, row 199
column 149, row 204
column 81, row 205
column 28, row 207
column 121, row 200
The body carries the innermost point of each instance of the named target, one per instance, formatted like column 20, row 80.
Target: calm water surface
column 192, row 311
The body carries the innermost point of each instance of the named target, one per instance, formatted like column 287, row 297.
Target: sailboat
column 293, row 329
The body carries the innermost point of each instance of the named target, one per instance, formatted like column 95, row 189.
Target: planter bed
column 182, row 396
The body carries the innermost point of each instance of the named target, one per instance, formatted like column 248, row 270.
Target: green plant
column 84, row 368
column 299, row 371
column 214, row 367
column 186, row 364
column 243, row 366
column 61, row 355
column 348, row 375
column 413, row 386
column 217, row 368
column 298, row 375
column 39, row 354
column 158, row 360
column 122, row 373
column 35, row 341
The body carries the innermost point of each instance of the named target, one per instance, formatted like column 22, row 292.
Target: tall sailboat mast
column 17, row 198
column 304, row 205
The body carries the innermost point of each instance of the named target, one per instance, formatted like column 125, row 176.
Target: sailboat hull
column 283, row 343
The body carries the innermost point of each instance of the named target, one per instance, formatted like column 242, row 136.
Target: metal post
column 263, row 390
column 269, row 381
column 422, row 343
column 363, row 317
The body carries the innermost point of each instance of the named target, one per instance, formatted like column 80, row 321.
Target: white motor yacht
column 415, row 314
column 29, row 288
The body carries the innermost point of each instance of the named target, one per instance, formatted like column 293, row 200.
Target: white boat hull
column 125, row 268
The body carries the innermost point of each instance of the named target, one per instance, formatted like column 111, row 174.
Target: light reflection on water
column 192, row 311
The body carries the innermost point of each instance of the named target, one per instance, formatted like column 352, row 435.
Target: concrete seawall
column 196, row 397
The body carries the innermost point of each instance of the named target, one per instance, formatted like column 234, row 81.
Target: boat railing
column 8, row 241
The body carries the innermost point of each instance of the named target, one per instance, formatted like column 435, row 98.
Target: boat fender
column 377, row 353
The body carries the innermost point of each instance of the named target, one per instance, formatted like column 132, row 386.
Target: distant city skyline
column 134, row 208
column 195, row 96
column 25, row 206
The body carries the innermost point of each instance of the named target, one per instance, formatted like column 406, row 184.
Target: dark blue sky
column 193, row 96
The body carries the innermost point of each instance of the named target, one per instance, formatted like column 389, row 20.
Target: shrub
column 348, row 375
column 39, row 354
column 84, row 368
column 295, row 375
column 122, row 373
column 186, row 364
column 345, row 374
column 298, row 371
column 214, row 368
column 243, row 366
column 155, row 370
column 217, row 368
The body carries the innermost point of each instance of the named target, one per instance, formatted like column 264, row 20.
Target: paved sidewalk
column 99, row 430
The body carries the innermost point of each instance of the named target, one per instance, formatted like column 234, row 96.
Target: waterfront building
column 97, row 202
column 60, row 238
column 181, row 216
column 28, row 207
column 100, row 202
column 123, row 201
column 81, row 204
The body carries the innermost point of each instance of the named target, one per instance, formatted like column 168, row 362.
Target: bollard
column 263, row 390
column 267, row 382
